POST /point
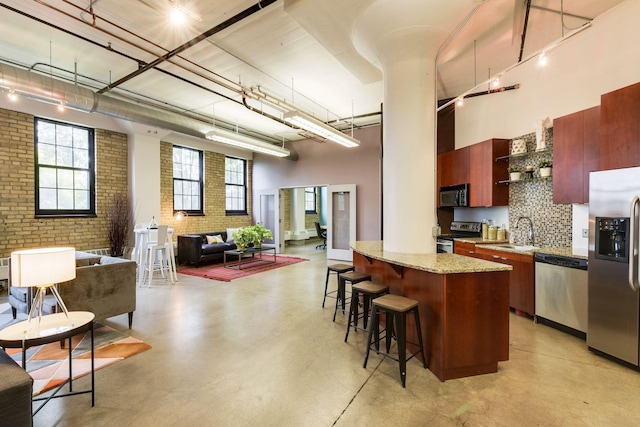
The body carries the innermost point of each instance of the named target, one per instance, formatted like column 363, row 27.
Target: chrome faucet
column 531, row 238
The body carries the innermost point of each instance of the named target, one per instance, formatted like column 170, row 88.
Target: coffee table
column 244, row 258
column 55, row 327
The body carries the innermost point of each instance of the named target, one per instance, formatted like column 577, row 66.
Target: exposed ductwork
column 47, row 89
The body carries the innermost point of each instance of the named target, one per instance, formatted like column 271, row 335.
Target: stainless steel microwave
column 454, row 196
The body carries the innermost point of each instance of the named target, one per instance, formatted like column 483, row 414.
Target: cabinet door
column 576, row 151
column 445, row 169
column 464, row 248
column 522, row 280
column 453, row 167
column 591, row 147
column 485, row 172
column 620, row 128
column 568, row 154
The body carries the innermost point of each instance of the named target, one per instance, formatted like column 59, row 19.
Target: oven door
column 444, row 246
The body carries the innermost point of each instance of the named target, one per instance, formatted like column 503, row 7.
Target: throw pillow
column 214, row 239
column 230, row 234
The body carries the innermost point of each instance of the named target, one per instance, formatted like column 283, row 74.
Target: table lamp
column 43, row 268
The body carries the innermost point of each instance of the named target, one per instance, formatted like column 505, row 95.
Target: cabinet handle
column 471, row 252
column 495, row 256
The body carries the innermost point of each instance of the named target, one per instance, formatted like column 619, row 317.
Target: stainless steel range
column 458, row 229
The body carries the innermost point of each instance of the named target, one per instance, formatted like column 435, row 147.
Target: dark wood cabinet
column 620, row 128
column 464, row 248
column 453, row 167
column 576, row 152
column 522, row 281
column 485, row 172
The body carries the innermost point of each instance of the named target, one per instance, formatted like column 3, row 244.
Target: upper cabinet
column 620, row 128
column 453, row 167
column 476, row 165
column 485, row 173
column 576, row 152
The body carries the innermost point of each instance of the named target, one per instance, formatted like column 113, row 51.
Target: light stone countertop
column 433, row 263
column 568, row 252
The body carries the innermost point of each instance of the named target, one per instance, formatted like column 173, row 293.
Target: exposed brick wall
column 19, row 229
column 214, row 218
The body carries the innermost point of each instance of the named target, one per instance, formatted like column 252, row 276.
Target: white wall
column 322, row 164
column 598, row 60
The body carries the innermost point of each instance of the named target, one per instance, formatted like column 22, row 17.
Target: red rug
column 249, row 267
column 48, row 364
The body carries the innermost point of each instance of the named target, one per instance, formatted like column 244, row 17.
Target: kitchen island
column 463, row 303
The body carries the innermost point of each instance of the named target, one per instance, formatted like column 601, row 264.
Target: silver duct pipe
column 47, row 89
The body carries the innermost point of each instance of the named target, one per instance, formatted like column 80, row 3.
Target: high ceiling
column 288, row 54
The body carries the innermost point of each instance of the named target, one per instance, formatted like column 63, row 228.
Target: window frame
column 191, row 212
column 315, row 200
column 61, row 213
column 232, row 212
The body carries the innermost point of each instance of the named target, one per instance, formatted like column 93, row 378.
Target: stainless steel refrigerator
column 614, row 296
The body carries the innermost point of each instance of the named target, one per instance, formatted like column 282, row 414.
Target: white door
column 269, row 215
column 341, row 221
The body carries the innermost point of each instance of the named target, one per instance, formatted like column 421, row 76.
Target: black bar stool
column 352, row 277
column 369, row 292
column 337, row 269
column 395, row 308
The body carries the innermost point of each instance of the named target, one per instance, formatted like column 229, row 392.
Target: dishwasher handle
column 561, row 261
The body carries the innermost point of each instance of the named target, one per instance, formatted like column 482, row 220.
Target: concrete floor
column 261, row 351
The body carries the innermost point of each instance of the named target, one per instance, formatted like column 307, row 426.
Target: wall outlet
column 585, row 232
column 435, row 231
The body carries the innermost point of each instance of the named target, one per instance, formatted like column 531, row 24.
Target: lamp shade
column 42, row 266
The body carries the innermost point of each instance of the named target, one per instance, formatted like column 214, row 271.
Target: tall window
column 310, row 200
column 65, row 173
column 187, row 180
column 235, row 179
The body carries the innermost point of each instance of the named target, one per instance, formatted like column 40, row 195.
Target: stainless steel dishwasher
column 561, row 292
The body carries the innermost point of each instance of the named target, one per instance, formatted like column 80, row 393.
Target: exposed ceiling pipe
column 230, row 85
column 524, row 29
column 46, row 89
column 236, row 18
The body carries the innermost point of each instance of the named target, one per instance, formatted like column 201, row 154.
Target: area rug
column 48, row 364
column 223, row 274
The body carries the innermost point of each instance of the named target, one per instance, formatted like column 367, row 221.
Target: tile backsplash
column 534, row 199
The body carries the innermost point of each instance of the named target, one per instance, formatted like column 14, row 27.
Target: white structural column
column 403, row 39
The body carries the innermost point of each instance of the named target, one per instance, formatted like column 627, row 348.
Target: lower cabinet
column 522, row 281
column 464, row 248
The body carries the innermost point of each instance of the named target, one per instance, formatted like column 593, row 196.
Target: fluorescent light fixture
column 315, row 126
column 247, row 143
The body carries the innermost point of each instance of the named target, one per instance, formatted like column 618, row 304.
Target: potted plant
column 545, row 168
column 514, row 173
column 243, row 237
column 262, row 233
column 118, row 215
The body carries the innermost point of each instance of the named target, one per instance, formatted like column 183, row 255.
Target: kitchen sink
column 519, row 248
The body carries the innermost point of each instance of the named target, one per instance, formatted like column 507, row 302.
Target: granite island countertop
column 433, row 263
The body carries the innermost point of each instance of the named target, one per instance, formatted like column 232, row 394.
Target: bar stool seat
column 337, row 269
column 395, row 308
column 369, row 291
column 352, row 277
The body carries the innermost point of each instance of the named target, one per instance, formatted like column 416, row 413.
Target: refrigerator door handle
column 633, row 245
